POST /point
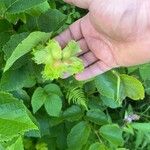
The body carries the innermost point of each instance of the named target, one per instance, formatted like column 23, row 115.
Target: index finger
column 72, row 33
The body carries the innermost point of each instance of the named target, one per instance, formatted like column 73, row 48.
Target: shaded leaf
column 112, row 133
column 78, row 135
column 97, row 116
column 14, row 119
column 16, row 79
column 73, row 113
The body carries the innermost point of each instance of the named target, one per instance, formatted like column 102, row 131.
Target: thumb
column 79, row 3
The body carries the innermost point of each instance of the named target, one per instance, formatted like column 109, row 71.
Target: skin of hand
column 114, row 33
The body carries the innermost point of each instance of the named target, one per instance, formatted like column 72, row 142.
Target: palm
column 111, row 41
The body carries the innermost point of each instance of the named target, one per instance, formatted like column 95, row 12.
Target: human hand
column 113, row 34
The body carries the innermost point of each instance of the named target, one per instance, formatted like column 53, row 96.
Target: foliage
column 41, row 111
column 58, row 62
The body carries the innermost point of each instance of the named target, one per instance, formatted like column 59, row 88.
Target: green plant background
column 109, row 112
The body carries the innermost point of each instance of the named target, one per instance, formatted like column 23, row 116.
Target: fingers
column 80, row 3
column 88, row 58
column 102, row 50
column 93, row 70
column 84, row 47
column 72, row 33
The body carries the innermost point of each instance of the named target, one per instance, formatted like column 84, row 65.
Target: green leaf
column 139, row 139
column 38, row 99
column 49, row 96
column 78, row 136
column 18, row 145
column 53, row 105
column 133, row 87
column 25, row 46
column 5, row 26
column 132, row 69
column 51, row 20
column 39, row 9
column 21, row 94
column 144, row 71
column 14, row 119
column 53, row 88
column 51, row 56
column 41, row 52
column 106, row 84
column 17, row 6
column 4, row 37
column 97, row 116
column 16, row 79
column 55, row 49
column 109, row 102
column 73, row 113
column 145, row 127
column 112, row 133
column 14, row 18
column 71, row 49
column 97, row 146
column 15, row 39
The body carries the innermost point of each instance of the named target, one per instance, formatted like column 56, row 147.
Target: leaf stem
column 96, row 133
column 118, row 84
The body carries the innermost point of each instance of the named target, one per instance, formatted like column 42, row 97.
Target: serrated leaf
column 55, row 49
column 41, row 52
column 18, row 145
column 39, row 9
column 78, row 136
column 51, row 20
column 38, row 99
column 53, row 105
column 97, row 116
column 17, row 6
column 53, row 88
column 73, row 113
column 52, row 102
column 25, row 46
column 106, row 84
column 16, row 79
column 14, row 119
column 76, row 65
column 12, row 43
column 21, row 94
column 112, row 133
column 133, row 87
column 51, row 56
column 71, row 49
